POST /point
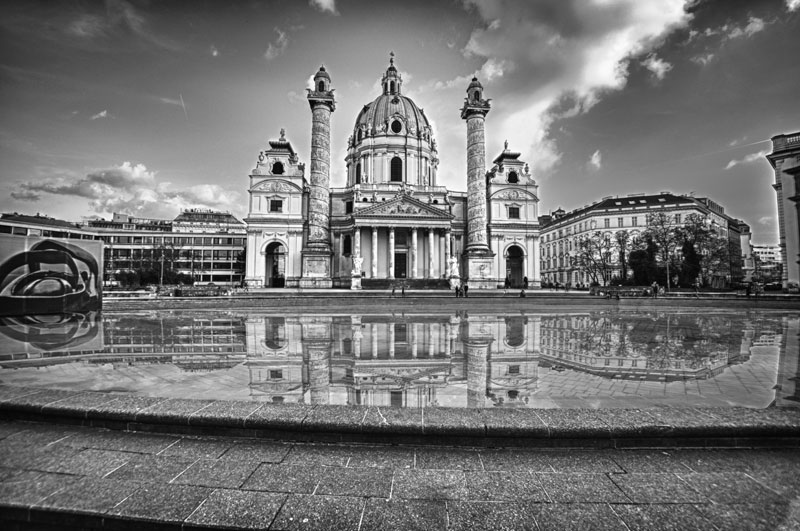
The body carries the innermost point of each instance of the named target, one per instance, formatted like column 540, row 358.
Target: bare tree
column 622, row 239
column 596, row 256
column 661, row 229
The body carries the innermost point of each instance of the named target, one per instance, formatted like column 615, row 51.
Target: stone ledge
column 557, row 428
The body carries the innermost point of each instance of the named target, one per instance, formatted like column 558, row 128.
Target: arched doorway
column 275, row 276
column 515, row 260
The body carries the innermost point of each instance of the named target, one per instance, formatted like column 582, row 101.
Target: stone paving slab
column 324, row 486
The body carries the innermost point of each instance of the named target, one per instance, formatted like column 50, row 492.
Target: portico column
column 374, row 337
column 391, row 340
column 414, row 345
column 447, row 252
column 391, row 252
column 374, row 271
column 357, row 241
column 536, row 265
column 414, row 252
column 430, row 253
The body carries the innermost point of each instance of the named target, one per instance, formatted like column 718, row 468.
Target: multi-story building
column 768, row 265
column 391, row 222
column 562, row 232
column 785, row 160
column 206, row 245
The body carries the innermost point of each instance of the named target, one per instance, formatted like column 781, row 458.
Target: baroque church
column 392, row 224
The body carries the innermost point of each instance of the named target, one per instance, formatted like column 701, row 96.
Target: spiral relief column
column 480, row 263
column 317, row 251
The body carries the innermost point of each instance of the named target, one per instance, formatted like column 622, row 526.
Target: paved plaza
column 81, row 477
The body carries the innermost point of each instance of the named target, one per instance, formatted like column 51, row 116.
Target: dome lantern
column 391, row 80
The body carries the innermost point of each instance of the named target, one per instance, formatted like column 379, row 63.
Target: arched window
column 396, row 170
column 277, row 168
column 360, row 135
column 513, row 178
column 321, row 86
column 476, row 95
column 347, row 245
column 358, row 173
column 396, row 126
column 391, row 87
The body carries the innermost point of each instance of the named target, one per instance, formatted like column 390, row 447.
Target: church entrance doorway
column 400, row 265
column 514, row 266
column 276, row 266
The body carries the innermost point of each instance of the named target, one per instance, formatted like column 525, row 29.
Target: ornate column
column 316, row 253
column 536, row 281
column 480, row 264
column 357, row 241
column 412, row 330
column 374, row 268
column 391, row 253
column 430, row 253
column 414, row 252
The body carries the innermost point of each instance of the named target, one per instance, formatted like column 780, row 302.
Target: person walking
column 466, row 290
column 394, row 288
column 403, row 290
column 697, row 288
column 655, row 289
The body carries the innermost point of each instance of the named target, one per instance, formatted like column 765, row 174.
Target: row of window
column 155, row 254
column 174, row 240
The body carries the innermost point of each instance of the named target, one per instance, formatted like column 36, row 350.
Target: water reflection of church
column 394, row 360
column 413, row 359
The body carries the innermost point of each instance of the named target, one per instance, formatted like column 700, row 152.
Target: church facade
column 391, row 224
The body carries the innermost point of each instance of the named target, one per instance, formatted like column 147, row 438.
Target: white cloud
column 596, row 160
column 657, row 66
column 765, row 220
column 101, row 114
column 557, row 59
column 278, row 47
column 752, row 157
column 792, row 5
column 130, row 189
column 754, row 25
column 328, row 6
column 214, row 51
column 703, row 59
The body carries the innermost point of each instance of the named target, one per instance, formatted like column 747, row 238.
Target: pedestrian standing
column 466, row 290
column 403, row 290
column 393, row 290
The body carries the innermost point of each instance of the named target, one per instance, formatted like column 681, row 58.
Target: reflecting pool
column 604, row 358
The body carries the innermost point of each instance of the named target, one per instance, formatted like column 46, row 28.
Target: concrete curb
column 543, row 428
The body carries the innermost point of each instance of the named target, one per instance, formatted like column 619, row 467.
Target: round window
column 397, row 126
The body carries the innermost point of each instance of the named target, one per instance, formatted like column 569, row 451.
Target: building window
column 358, row 173
column 360, row 135
column 513, row 212
column 321, row 86
column 348, row 207
column 513, row 178
column 620, row 222
column 396, row 170
column 276, row 205
column 277, row 168
column 513, row 369
column 634, row 221
column 396, row 127
column 347, row 245
column 607, row 223
column 677, row 218
column 275, row 374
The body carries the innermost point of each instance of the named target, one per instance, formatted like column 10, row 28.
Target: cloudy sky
column 150, row 107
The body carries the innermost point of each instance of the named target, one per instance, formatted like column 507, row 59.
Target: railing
column 784, row 141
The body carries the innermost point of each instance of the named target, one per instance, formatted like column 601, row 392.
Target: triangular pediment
column 403, row 207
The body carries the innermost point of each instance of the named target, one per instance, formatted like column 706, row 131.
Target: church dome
column 391, row 113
